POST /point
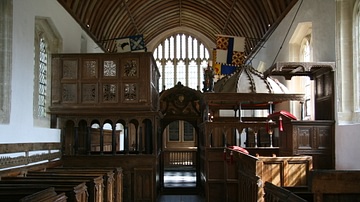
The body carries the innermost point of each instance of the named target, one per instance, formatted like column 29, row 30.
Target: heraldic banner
column 131, row 44
column 229, row 53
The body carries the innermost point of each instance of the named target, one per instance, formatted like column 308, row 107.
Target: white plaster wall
column 322, row 14
column 347, row 147
column 21, row 127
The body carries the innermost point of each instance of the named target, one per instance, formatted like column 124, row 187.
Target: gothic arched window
column 181, row 58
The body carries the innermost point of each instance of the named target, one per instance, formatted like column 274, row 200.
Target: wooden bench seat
column 112, row 178
column 93, row 182
column 74, row 191
column 47, row 195
column 31, row 194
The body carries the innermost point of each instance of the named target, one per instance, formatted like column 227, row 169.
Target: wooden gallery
column 122, row 131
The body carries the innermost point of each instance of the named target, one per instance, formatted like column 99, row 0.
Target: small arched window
column 42, row 81
column 305, row 56
column 181, row 58
column 46, row 41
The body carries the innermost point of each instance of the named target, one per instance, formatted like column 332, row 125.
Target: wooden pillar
column 76, row 140
column 101, row 140
column 240, row 119
column 126, row 139
column 148, row 138
column 88, row 140
column 140, row 147
column 113, row 140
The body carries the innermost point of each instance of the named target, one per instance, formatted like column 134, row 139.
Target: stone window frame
column 44, row 28
column 356, row 60
column 6, row 21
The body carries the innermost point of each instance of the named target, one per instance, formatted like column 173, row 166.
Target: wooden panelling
column 94, row 83
column 335, row 185
column 138, row 172
column 309, row 138
column 144, row 184
column 280, row 171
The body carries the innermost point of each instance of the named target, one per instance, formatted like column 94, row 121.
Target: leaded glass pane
column 190, row 47
column 181, row 72
column 174, row 131
column 43, row 60
column 172, row 46
column 196, row 47
column 183, row 46
column 166, row 49
column 178, row 46
column 202, row 51
column 188, row 132
column 169, row 72
column 193, row 72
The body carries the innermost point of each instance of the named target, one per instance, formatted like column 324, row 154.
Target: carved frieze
column 110, row 92
column 89, row 93
column 130, row 92
column 90, row 69
column 110, row 68
column 130, row 68
column 70, row 69
column 69, row 93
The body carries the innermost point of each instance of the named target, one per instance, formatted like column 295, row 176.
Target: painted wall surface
column 21, row 127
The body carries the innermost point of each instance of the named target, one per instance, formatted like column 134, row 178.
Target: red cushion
column 283, row 113
column 240, row 149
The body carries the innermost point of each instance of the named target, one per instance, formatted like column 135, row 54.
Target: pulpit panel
column 305, row 135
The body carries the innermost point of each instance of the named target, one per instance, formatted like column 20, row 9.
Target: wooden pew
column 93, row 182
column 279, row 194
column 112, row 178
column 74, row 191
column 335, row 185
column 31, row 194
column 47, row 195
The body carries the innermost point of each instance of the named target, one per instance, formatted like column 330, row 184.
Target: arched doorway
column 179, row 146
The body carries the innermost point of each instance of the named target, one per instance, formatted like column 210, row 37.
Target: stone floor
column 183, row 183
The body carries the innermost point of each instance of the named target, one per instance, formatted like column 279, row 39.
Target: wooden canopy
column 290, row 69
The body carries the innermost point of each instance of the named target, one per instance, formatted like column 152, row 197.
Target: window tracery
column 181, row 58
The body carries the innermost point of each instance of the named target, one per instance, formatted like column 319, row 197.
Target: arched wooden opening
column 179, row 129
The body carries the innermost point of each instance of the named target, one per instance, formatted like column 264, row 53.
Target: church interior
column 180, row 100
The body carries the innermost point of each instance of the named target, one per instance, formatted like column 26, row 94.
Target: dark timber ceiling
column 109, row 19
